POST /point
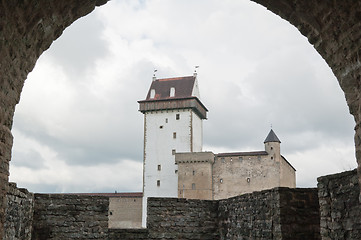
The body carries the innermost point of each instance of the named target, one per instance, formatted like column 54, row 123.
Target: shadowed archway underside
column 28, row 28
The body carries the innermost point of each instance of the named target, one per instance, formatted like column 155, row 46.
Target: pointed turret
column 273, row 146
column 272, row 137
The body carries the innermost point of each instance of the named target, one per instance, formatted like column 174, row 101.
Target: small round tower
column 273, row 146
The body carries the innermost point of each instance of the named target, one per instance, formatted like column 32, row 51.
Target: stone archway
column 28, row 27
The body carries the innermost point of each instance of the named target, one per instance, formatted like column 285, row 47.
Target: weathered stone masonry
column 279, row 213
column 19, row 214
column 339, row 206
column 64, row 216
column 28, row 27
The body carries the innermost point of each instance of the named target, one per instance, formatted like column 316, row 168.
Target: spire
column 272, row 137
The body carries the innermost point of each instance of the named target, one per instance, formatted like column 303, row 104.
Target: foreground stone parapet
column 279, row 213
column 340, row 209
column 19, row 214
column 64, row 216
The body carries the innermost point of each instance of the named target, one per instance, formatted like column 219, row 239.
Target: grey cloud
column 30, row 159
column 79, row 46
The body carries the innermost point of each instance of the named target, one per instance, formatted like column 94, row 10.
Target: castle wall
column 175, row 218
column 19, row 214
column 195, row 175
column 340, row 208
column 64, row 216
column 233, row 176
column 125, row 212
column 270, row 214
column 279, row 213
column 287, row 174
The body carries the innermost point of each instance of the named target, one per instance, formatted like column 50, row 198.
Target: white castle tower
column 173, row 115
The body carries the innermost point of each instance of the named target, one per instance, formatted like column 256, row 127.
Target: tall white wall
column 159, row 142
column 197, row 130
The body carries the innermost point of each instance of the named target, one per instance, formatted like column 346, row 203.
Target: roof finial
column 154, row 77
column 195, row 70
column 271, row 125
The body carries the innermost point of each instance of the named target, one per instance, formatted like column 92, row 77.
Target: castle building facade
column 174, row 164
column 210, row 176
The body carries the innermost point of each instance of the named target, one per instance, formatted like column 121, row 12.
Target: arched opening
column 265, row 73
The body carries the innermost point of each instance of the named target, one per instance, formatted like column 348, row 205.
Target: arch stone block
column 27, row 29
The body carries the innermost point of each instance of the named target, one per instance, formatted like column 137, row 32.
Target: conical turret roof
column 272, row 137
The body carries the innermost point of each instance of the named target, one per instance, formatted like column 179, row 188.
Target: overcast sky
column 77, row 127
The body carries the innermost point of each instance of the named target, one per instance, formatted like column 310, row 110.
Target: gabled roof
column 272, row 137
column 183, row 88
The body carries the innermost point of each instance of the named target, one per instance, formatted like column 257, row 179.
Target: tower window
column 194, row 172
column 248, row 179
column 158, row 183
column 172, row 92
column 173, row 151
column 193, row 186
column 161, row 126
column 221, row 180
column 152, row 93
column 159, row 167
column 271, row 148
column 166, row 120
column 174, row 135
column 177, row 116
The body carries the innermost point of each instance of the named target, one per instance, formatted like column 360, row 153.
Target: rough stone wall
column 19, row 214
column 128, row 234
column 340, row 209
column 300, row 214
column 280, row 213
column 333, row 28
column 27, row 28
column 175, row 218
column 250, row 216
column 62, row 216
